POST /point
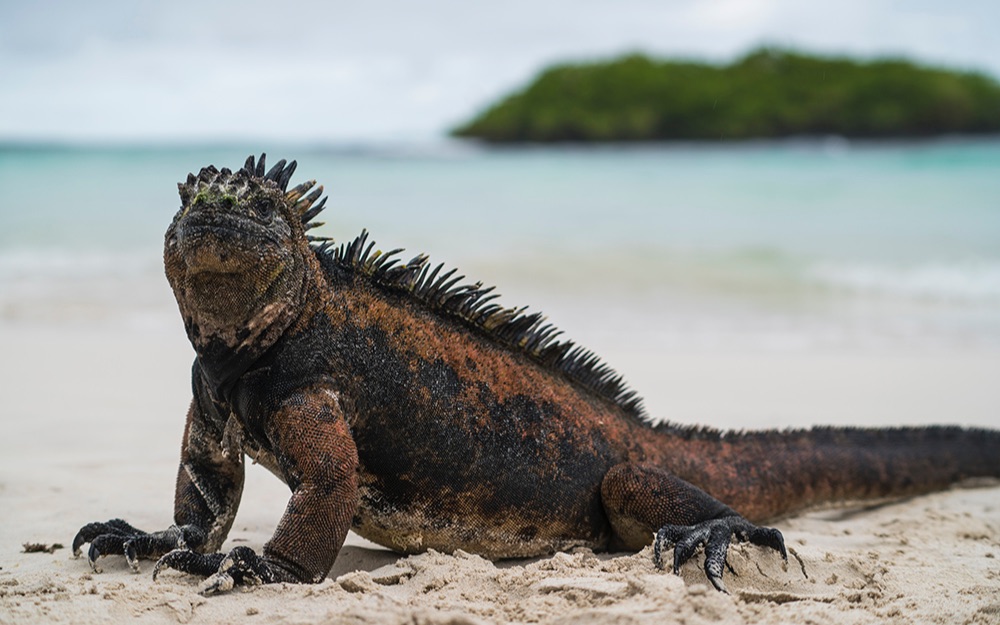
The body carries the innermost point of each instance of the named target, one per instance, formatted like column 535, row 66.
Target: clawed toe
column 187, row 561
column 176, row 547
column 116, row 537
column 91, row 531
column 715, row 536
column 240, row 567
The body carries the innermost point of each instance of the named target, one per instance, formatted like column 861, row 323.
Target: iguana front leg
column 315, row 451
column 207, row 495
column 647, row 504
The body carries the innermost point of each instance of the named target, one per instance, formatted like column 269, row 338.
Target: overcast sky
column 134, row 70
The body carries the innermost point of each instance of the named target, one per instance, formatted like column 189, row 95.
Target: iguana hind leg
column 644, row 501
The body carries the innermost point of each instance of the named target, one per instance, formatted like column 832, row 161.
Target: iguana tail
column 764, row 475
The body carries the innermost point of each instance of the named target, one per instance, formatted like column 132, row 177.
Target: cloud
column 310, row 71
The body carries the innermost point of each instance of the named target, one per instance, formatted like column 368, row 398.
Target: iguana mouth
column 215, row 259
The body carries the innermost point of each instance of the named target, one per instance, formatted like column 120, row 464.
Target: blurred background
column 764, row 283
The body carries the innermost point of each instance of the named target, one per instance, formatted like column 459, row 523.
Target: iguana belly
column 422, row 525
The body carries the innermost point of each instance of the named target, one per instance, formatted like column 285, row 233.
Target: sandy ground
column 92, row 419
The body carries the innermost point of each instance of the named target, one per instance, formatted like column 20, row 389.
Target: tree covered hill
column 768, row 93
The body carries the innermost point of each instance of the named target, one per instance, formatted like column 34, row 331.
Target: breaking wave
column 960, row 282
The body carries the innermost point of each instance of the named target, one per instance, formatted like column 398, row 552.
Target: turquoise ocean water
column 776, row 245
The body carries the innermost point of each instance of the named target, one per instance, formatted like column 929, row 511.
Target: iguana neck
column 224, row 357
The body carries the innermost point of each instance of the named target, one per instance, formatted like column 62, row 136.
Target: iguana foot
column 116, row 537
column 715, row 535
column 240, row 567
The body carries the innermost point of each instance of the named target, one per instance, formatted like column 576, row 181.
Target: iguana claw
column 240, row 567
column 188, row 561
column 118, row 537
column 715, row 535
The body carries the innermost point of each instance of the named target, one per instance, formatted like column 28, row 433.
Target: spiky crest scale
column 252, row 177
column 471, row 304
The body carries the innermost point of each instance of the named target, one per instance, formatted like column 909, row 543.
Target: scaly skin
column 415, row 412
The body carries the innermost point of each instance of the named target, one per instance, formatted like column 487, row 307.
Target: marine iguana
column 397, row 401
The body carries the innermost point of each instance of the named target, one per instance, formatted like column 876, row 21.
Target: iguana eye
column 263, row 210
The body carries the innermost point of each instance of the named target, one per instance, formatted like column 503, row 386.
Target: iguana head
column 236, row 254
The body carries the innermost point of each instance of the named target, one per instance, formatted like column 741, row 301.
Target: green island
column 769, row 93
